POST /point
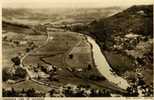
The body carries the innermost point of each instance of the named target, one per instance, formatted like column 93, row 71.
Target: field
column 16, row 50
column 57, row 53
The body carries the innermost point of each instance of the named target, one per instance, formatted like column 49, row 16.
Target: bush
column 6, row 74
column 96, row 78
column 10, row 93
column 16, row 60
column 20, row 72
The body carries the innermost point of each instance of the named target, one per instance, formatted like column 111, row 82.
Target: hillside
column 136, row 19
column 126, row 40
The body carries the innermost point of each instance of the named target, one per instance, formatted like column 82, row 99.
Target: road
column 30, row 74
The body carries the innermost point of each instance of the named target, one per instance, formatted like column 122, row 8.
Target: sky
column 71, row 3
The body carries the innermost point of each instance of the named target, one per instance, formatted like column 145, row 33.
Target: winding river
column 103, row 66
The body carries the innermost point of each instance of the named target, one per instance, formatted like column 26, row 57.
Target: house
column 79, row 69
column 22, row 42
column 11, row 81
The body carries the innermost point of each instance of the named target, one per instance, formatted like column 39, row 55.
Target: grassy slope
column 27, row 85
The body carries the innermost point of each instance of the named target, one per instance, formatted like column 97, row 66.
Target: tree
column 93, row 93
column 68, row 92
column 4, row 93
column 30, row 92
column 6, row 74
column 80, row 93
column 89, row 67
column 141, row 82
column 71, row 56
column 20, row 72
column 23, row 91
column 5, row 38
column 51, row 92
column 27, row 49
column 107, row 94
column 13, row 92
column 16, row 60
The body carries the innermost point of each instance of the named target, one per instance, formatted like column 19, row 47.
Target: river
column 103, row 66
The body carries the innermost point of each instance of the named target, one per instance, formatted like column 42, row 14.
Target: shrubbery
column 19, row 73
column 6, row 74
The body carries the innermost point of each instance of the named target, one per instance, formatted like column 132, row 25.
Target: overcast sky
column 71, row 3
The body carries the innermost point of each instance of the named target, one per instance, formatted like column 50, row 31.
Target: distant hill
column 23, row 28
column 136, row 19
column 60, row 15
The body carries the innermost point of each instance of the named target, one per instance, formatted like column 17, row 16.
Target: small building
column 141, row 12
column 79, row 69
column 131, row 35
column 22, row 42
column 11, row 81
column 49, row 68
